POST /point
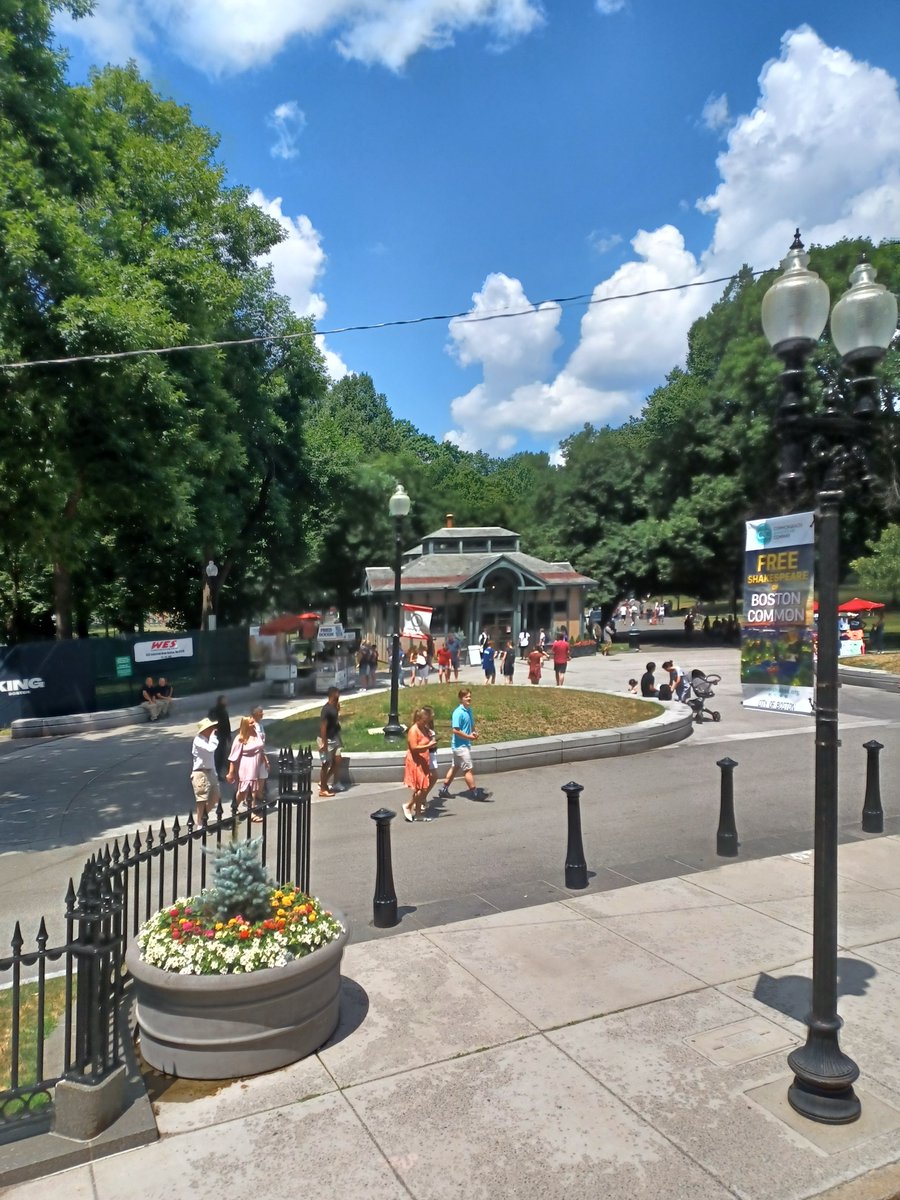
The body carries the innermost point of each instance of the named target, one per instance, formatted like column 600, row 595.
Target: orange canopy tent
column 290, row 623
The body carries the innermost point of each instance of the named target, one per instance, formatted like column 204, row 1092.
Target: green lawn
column 502, row 714
column 54, row 1007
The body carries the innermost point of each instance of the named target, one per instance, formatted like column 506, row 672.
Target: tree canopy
column 121, row 477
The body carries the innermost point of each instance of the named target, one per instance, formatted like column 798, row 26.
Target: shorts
column 330, row 751
column 490, row 673
column 462, row 758
column 206, row 787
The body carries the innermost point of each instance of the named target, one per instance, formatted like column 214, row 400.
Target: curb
column 664, row 730
column 869, row 677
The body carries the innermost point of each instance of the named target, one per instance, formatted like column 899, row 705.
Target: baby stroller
column 702, row 686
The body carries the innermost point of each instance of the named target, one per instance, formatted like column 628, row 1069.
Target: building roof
column 470, row 531
column 432, row 571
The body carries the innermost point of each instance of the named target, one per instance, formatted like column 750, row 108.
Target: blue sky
column 450, row 156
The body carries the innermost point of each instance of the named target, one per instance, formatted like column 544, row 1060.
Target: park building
column 477, row 578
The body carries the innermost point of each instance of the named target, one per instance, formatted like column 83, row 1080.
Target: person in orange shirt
column 420, row 767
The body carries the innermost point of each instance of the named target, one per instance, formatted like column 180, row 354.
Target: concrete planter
column 226, row 1026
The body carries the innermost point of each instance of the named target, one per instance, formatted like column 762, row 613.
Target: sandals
column 326, row 792
column 256, row 818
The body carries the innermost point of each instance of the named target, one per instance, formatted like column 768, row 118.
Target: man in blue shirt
column 454, row 647
column 464, row 733
column 487, row 662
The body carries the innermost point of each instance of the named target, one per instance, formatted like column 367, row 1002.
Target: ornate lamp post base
column 824, row 1076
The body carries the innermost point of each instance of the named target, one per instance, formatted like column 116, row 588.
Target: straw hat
column 205, row 724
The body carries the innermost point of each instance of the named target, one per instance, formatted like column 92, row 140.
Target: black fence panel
column 120, row 887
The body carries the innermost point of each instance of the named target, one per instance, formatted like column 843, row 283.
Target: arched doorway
column 500, row 605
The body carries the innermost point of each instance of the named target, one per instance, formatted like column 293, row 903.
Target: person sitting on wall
column 164, row 694
column 648, row 681
column 149, row 700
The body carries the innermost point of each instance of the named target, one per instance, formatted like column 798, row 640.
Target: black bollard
column 727, row 835
column 576, row 867
column 872, row 813
column 384, row 907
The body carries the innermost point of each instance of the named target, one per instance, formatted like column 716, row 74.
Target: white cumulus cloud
column 288, row 121
column 227, row 36
column 802, row 158
column 715, row 113
column 799, row 158
column 297, row 263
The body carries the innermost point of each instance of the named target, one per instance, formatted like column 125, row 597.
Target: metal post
column 576, row 867
column 872, row 813
column 726, row 834
column 823, row 1075
column 394, row 729
column 384, row 906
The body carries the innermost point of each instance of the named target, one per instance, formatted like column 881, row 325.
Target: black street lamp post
column 829, row 444
column 399, row 506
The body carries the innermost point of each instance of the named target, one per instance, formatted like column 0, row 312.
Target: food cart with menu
column 334, row 658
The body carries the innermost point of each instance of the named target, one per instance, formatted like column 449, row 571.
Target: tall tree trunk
column 62, row 600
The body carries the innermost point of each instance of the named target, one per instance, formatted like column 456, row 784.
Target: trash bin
column 634, row 639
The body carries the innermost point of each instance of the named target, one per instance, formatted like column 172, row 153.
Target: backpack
column 665, row 692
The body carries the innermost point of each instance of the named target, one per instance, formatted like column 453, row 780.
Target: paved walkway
column 624, row 1044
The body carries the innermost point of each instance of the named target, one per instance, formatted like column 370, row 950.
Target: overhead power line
column 461, row 318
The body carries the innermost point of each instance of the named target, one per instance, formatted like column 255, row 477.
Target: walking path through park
column 625, row 1044
column 515, row 1038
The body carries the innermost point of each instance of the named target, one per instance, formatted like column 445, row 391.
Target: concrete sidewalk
column 623, row 1044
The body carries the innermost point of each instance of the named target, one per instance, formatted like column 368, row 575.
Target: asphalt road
column 644, row 817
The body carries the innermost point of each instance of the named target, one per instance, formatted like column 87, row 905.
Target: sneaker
column 480, row 794
column 443, row 793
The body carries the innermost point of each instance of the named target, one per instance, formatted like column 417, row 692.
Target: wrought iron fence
column 120, row 887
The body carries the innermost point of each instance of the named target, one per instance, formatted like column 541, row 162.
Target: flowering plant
column 186, row 938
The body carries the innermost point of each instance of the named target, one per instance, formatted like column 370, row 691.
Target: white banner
column 163, row 648
column 416, row 621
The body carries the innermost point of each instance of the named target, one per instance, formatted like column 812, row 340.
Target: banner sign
column 777, row 632
column 416, row 621
column 177, row 647
column 334, row 632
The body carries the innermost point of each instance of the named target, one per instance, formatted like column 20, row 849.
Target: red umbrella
column 288, row 623
column 856, row 605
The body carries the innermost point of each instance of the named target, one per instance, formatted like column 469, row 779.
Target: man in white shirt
column 204, row 779
column 524, row 643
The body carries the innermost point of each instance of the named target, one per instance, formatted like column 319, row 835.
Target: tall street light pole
column 398, row 506
column 211, row 581
column 829, row 444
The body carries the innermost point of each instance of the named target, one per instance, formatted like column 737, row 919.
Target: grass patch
column 54, row 1007
column 502, row 714
column 875, row 662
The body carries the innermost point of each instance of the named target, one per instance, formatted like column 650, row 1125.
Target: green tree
column 879, row 571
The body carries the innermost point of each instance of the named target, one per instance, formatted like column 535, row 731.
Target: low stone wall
column 183, row 708
column 672, row 725
column 114, row 718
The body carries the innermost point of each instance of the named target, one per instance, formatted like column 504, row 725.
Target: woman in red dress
column 535, row 661
column 420, row 768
